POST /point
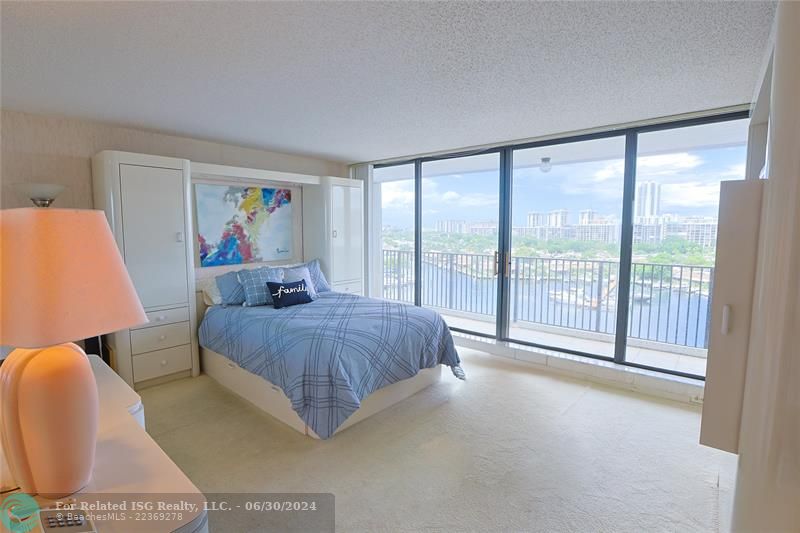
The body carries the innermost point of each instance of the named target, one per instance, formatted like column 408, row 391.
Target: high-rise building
column 483, row 228
column 536, row 220
column 557, row 218
column 699, row 230
column 452, row 226
column 606, row 231
column 586, row 217
column 648, row 200
column 553, row 219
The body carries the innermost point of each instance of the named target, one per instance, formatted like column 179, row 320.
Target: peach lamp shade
column 62, row 278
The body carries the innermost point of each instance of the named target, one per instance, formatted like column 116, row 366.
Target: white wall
column 768, row 478
column 38, row 148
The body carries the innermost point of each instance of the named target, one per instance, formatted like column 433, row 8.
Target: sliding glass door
column 392, row 218
column 601, row 244
column 460, row 220
column 678, row 175
column 566, row 205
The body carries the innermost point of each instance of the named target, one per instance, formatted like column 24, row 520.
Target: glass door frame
column 506, row 153
column 418, row 252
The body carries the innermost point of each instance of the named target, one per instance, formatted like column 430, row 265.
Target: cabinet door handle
column 726, row 319
column 162, row 338
column 163, row 362
column 161, row 318
column 335, row 234
column 179, row 236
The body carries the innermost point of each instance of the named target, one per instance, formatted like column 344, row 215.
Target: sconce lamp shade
column 62, row 278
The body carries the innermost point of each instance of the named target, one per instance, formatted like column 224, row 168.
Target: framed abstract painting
column 238, row 225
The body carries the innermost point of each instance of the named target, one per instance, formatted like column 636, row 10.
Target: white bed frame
column 274, row 402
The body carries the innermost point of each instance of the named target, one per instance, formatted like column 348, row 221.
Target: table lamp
column 61, row 278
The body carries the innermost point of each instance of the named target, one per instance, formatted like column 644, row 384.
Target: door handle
column 726, row 319
column 179, row 236
column 496, row 262
column 335, row 234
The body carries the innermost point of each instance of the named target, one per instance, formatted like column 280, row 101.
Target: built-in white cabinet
column 333, row 231
column 731, row 312
column 147, row 203
column 154, row 233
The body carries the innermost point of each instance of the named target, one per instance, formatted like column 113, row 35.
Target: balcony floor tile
column 640, row 355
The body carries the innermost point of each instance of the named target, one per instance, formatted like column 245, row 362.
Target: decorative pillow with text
column 289, row 293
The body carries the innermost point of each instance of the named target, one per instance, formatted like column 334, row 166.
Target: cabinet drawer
column 167, row 316
column 159, row 337
column 162, row 363
column 353, row 287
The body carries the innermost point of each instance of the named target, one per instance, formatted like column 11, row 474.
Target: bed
column 322, row 366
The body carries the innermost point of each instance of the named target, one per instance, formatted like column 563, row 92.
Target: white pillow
column 301, row 273
column 208, row 287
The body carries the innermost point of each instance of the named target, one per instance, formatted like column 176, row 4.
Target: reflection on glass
column 460, row 214
column 393, row 213
column 565, row 244
column 674, row 240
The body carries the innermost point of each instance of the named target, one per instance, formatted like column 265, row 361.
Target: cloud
column 397, row 195
column 605, row 181
column 734, row 171
column 613, row 169
column 690, row 194
column 472, row 199
column 650, row 166
column 679, row 160
column 653, row 166
column 451, row 196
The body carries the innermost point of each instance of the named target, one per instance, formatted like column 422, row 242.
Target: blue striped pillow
column 255, row 284
column 230, row 290
column 317, row 277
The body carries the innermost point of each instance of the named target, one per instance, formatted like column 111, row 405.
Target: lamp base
column 49, row 410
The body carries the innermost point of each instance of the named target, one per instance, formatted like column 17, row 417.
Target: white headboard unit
column 239, row 176
column 327, row 216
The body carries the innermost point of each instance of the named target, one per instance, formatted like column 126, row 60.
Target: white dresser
column 130, row 467
column 147, row 203
column 333, row 231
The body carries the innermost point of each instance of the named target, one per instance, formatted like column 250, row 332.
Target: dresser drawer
column 353, row 287
column 162, row 363
column 159, row 337
column 167, row 316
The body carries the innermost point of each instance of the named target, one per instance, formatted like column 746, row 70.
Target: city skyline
column 686, row 185
column 592, row 227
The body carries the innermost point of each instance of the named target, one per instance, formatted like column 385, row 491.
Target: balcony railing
column 668, row 303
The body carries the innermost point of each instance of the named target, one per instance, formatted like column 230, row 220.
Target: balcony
column 568, row 303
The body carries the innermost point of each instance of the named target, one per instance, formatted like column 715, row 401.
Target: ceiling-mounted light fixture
column 545, row 166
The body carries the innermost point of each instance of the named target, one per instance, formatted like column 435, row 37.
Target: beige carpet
column 510, row 449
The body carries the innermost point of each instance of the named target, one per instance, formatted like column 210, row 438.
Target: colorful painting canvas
column 243, row 224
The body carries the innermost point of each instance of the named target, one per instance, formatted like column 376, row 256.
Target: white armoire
column 333, row 231
column 147, row 203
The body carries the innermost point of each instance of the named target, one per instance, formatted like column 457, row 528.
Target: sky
column 689, row 187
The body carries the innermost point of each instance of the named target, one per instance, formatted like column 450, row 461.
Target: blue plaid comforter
column 330, row 354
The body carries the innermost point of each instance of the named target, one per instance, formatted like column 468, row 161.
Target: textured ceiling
column 363, row 81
